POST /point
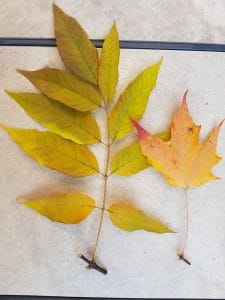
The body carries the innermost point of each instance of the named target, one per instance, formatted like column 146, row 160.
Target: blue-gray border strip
column 124, row 44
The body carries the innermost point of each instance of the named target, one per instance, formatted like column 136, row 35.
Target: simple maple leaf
column 183, row 160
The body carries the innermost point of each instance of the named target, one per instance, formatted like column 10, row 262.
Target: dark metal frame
column 27, row 297
column 156, row 45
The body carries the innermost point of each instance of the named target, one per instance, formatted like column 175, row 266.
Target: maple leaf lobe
column 142, row 133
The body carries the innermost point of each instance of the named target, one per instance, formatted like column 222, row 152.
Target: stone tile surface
column 169, row 20
column 39, row 257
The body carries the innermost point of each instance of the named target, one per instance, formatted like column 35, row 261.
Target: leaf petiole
column 181, row 253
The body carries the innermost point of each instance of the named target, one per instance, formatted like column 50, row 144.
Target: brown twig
column 181, row 257
column 92, row 264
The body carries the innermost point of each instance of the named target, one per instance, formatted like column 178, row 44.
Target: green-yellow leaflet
column 108, row 65
column 129, row 218
column 132, row 102
column 53, row 151
column 65, row 88
column 76, row 126
column 67, row 208
column 76, row 50
column 130, row 159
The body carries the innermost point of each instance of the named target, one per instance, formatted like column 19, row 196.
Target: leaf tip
column 159, row 62
column 185, row 96
column 5, row 127
column 27, row 203
column 55, row 7
column 217, row 177
column 140, row 130
column 8, row 92
column 21, row 71
column 167, row 229
column 221, row 123
column 20, row 200
column 172, row 231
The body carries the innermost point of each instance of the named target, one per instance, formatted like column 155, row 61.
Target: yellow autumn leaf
column 54, row 152
column 76, row 126
column 67, row 208
column 76, row 50
column 129, row 218
column 183, row 160
column 132, row 102
column 65, row 88
column 130, row 159
column 108, row 65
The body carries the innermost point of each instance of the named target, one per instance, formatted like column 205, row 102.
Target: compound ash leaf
column 132, row 102
column 130, row 160
column 76, row 126
column 65, row 88
column 129, row 218
column 76, row 50
column 183, row 160
column 67, row 208
column 54, row 152
column 108, row 65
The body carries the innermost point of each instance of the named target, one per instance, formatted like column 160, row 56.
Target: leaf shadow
column 49, row 190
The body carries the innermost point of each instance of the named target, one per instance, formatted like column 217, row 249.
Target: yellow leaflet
column 132, row 102
column 65, row 88
column 108, row 65
column 183, row 160
column 76, row 126
column 68, row 208
column 76, row 50
column 54, row 152
column 130, row 159
column 129, row 218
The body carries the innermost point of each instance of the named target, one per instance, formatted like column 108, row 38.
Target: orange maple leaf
column 183, row 160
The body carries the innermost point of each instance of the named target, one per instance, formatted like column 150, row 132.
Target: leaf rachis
column 92, row 263
column 105, row 178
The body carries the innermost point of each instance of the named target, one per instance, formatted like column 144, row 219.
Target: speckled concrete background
column 170, row 20
column 38, row 257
